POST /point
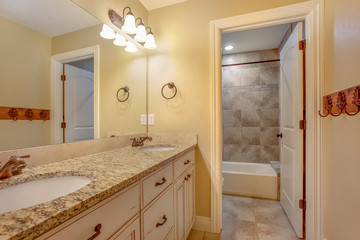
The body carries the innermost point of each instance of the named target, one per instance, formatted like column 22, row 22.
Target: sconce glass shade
column 130, row 47
column 120, row 41
column 150, row 42
column 107, row 32
column 129, row 24
column 141, row 33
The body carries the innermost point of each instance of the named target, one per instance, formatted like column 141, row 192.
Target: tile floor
column 250, row 219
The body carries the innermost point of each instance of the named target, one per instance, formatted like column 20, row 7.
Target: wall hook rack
column 351, row 108
column 171, row 85
column 16, row 113
column 126, row 91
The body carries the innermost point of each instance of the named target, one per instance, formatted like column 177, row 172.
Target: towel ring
column 171, row 86
column 126, row 90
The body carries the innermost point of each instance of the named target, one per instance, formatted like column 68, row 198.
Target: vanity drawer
column 112, row 215
column 156, row 183
column 184, row 162
column 158, row 217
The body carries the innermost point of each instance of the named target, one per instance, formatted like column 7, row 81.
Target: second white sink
column 39, row 191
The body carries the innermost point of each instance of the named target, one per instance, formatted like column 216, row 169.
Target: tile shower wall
column 250, row 95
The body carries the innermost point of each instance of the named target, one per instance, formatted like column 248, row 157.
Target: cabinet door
column 190, row 199
column 179, row 197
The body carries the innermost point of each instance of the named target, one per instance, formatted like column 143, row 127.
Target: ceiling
column 254, row 39
column 51, row 17
column 154, row 4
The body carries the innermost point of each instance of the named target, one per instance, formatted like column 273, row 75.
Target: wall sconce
column 150, row 40
column 107, row 32
column 140, row 32
column 130, row 47
column 120, row 41
column 128, row 25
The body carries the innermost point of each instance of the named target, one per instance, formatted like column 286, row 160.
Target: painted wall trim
column 310, row 12
column 56, row 70
column 202, row 224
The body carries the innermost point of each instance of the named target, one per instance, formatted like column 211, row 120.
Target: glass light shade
column 130, row 47
column 120, row 41
column 107, row 32
column 129, row 24
column 141, row 34
column 150, row 42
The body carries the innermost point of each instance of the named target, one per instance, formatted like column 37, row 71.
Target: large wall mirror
column 42, row 40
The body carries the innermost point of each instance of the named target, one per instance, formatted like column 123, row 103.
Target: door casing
column 312, row 13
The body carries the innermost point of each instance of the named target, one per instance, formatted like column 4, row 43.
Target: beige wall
column 342, row 145
column 183, row 56
column 24, row 82
column 118, row 68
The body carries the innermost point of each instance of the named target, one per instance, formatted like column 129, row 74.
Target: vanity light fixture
column 140, row 32
column 229, row 47
column 107, row 32
column 130, row 47
column 150, row 40
column 120, row 41
column 129, row 26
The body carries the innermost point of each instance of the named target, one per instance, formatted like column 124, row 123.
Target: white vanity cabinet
column 161, row 206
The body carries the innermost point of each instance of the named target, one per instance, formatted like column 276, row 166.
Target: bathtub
column 250, row 179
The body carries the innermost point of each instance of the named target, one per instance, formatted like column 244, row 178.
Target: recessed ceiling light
column 228, row 48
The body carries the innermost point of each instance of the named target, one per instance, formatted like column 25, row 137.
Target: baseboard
column 202, row 224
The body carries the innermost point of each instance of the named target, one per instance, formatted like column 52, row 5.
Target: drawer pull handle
column 97, row 232
column 189, row 176
column 160, row 183
column 160, row 224
column 186, row 162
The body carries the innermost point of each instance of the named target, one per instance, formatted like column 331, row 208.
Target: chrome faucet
column 13, row 167
column 140, row 141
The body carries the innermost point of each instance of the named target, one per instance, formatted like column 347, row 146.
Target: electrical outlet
column 143, row 119
column 151, row 119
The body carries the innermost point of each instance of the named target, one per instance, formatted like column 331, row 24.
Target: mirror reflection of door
column 78, row 101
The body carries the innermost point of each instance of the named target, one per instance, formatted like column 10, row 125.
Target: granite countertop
column 110, row 171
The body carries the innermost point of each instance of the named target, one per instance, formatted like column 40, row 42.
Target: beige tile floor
column 250, row 219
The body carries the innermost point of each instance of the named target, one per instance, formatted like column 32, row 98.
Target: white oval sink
column 153, row 148
column 39, row 191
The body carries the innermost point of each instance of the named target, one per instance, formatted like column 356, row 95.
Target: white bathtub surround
column 250, row 179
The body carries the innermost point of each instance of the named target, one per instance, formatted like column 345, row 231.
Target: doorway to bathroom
column 262, row 102
column 75, row 95
column 311, row 14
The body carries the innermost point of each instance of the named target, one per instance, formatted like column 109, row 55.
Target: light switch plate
column 143, row 119
column 151, row 119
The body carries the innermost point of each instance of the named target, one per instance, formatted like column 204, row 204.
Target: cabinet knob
column 186, row 162
column 97, row 232
column 160, row 183
column 162, row 223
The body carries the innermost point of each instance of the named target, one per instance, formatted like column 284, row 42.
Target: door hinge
column 63, row 77
column 63, row 125
column 302, row 124
column 302, row 45
column 302, row 204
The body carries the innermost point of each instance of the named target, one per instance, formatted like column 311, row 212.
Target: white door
column 291, row 156
column 79, row 104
